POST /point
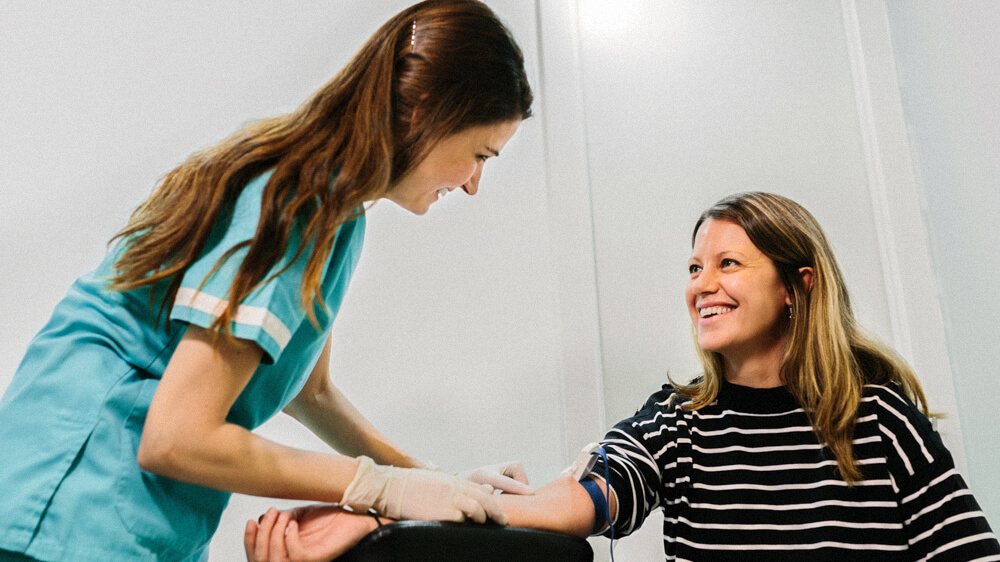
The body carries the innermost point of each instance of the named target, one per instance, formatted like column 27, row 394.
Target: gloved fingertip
column 522, row 491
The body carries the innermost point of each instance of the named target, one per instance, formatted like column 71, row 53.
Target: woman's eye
column 481, row 157
column 693, row 269
column 729, row 262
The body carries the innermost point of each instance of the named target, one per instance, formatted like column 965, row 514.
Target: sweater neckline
column 756, row 400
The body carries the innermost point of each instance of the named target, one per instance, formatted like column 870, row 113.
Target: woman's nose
column 707, row 282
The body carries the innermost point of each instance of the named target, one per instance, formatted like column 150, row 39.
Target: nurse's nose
column 472, row 186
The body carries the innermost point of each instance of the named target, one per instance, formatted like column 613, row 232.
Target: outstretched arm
column 318, row 533
column 562, row 505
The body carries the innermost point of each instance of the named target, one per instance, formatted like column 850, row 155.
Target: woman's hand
column 312, row 533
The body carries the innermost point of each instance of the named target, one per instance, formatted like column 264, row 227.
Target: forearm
column 334, row 419
column 186, row 436
column 233, row 459
column 563, row 506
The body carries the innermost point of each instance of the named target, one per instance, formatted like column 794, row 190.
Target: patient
column 803, row 438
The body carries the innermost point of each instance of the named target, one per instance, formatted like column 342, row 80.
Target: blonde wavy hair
column 829, row 358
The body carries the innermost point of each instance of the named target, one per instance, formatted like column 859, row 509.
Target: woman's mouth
column 714, row 311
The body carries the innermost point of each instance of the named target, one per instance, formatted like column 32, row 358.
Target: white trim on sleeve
column 246, row 315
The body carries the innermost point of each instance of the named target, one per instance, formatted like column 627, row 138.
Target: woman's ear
column 807, row 274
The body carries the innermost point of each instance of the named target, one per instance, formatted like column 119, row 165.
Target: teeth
column 714, row 310
column 442, row 192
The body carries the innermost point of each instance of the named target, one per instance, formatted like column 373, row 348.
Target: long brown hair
column 434, row 69
column 829, row 358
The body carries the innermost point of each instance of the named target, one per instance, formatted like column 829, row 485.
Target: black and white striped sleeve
column 633, row 468
column 940, row 516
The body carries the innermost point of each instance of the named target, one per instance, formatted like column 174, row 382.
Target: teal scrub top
column 71, row 419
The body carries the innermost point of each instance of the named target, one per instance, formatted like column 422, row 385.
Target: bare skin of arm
column 321, row 407
column 562, row 505
column 318, row 533
column 186, row 436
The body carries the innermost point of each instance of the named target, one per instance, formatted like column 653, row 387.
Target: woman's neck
column 756, row 370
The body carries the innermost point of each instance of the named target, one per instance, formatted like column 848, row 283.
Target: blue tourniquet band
column 600, row 504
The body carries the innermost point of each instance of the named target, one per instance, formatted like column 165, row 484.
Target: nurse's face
column 736, row 300
column 456, row 161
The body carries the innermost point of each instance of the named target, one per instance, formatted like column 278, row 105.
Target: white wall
column 949, row 67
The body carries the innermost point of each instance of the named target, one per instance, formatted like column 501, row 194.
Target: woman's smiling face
column 737, row 301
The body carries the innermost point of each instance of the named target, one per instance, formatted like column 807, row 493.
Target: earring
column 791, row 313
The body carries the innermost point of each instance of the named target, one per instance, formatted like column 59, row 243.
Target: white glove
column 414, row 493
column 509, row 477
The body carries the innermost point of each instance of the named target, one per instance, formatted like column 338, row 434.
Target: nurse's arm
column 186, row 436
column 321, row 407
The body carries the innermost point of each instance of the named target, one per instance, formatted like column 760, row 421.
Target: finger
column 471, row 508
column 250, row 539
column 264, row 534
column 293, row 543
column 277, row 547
column 516, row 471
column 497, row 514
column 511, row 486
column 503, row 483
column 492, row 510
column 474, row 487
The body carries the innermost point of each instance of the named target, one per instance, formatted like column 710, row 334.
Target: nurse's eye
column 482, row 157
column 729, row 262
column 694, row 269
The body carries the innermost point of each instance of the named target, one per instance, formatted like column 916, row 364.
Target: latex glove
column 414, row 493
column 509, row 477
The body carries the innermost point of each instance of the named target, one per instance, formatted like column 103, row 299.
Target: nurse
column 128, row 423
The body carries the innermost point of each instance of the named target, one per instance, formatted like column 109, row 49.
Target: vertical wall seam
column 603, row 414
column 543, row 101
column 885, row 232
column 568, row 12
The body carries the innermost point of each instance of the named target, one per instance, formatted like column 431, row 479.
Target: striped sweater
column 746, row 479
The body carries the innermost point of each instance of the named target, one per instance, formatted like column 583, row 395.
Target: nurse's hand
column 509, row 477
column 313, row 533
column 416, row 493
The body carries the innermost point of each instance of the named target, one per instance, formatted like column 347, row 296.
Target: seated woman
column 803, row 439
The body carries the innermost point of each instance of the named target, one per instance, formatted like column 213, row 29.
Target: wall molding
column 571, row 228
column 914, row 303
